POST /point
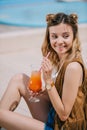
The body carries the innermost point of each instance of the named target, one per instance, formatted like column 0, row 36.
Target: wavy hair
column 56, row 19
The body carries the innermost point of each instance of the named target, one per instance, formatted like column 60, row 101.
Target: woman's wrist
column 48, row 81
column 49, row 84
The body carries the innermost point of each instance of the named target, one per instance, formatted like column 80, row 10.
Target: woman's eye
column 54, row 36
column 66, row 36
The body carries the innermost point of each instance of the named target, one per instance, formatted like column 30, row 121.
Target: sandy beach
column 20, row 50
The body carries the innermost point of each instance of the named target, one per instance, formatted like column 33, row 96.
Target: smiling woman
column 61, row 34
column 32, row 13
column 62, row 101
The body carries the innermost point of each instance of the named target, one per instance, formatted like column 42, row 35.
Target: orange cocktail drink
column 35, row 82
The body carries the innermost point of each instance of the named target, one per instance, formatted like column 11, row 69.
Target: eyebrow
column 66, row 32
column 62, row 33
column 53, row 33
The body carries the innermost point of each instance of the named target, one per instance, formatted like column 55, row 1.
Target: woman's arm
column 72, row 80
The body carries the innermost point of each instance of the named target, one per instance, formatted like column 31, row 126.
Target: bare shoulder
column 73, row 75
column 75, row 66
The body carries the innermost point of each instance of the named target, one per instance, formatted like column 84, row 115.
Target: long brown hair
column 55, row 19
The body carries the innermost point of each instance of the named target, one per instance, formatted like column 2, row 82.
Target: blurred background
column 32, row 13
column 22, row 30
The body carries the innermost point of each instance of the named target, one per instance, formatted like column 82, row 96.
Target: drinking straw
column 46, row 57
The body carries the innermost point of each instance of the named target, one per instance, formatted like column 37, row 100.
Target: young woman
column 61, row 106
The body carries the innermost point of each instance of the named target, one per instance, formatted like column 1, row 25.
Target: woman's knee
column 20, row 81
column 17, row 77
column 20, row 78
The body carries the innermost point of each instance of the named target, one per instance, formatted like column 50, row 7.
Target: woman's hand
column 47, row 69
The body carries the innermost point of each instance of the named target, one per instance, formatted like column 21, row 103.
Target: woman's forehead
column 60, row 28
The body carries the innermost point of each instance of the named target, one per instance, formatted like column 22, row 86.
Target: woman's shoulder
column 73, row 70
column 75, row 63
column 74, row 66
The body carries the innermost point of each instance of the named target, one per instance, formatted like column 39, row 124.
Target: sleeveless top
column 76, row 119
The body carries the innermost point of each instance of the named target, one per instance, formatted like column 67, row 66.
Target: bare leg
column 17, row 88
column 19, row 122
column 13, row 94
column 39, row 110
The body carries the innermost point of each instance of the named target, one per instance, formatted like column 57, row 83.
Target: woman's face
column 61, row 38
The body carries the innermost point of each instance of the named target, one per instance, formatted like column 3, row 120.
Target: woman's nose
column 59, row 40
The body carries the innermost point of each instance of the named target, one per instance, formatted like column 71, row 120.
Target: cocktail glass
column 35, row 85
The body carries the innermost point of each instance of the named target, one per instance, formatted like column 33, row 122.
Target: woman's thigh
column 39, row 110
